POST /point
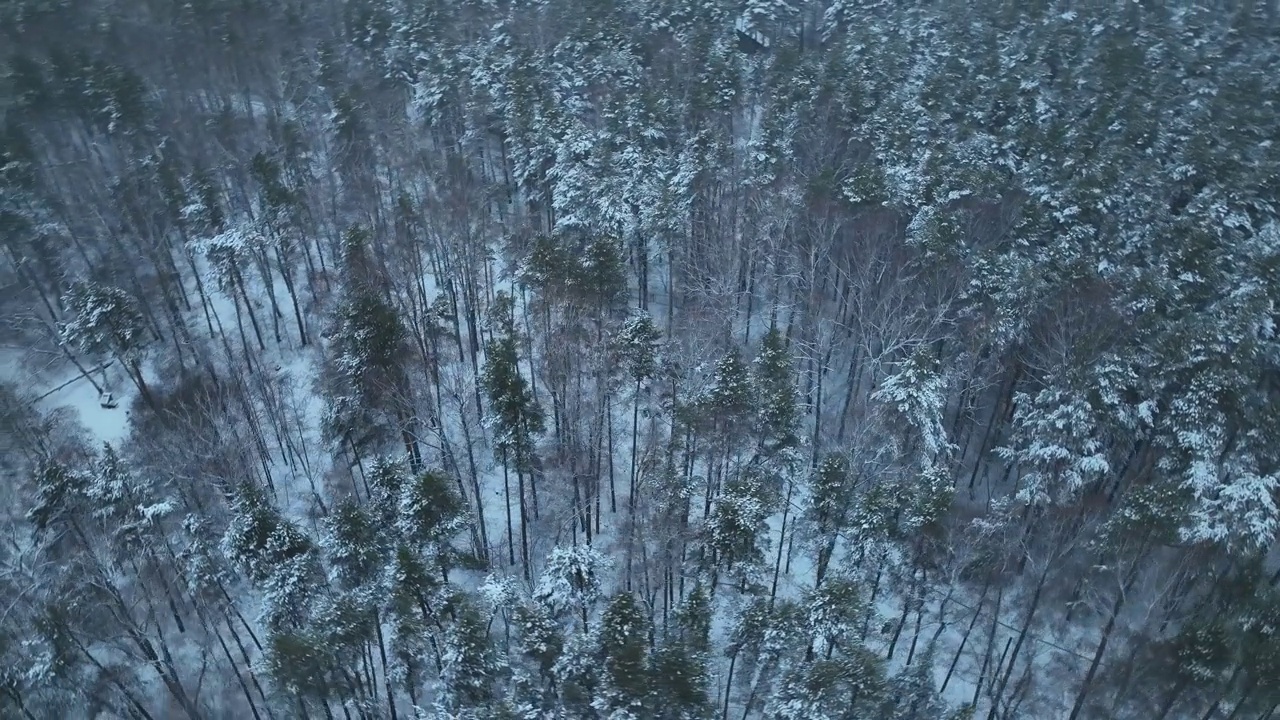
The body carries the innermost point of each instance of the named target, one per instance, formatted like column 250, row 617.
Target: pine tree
column 515, row 416
column 834, row 612
column 579, row 676
column 540, row 642
column 571, row 580
column 601, row 279
column 368, row 342
column 356, row 546
column 727, row 403
column 468, row 669
column 302, row 665
column 915, row 396
column 830, row 503
column 913, row 694
column 679, row 666
column 105, row 322
column 848, row 686
column 636, row 347
column 431, row 514
column 736, row 527
column 776, row 395
column 414, row 601
column 276, row 556
column 622, row 650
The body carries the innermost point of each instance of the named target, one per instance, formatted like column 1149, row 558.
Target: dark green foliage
column 468, row 667
column 678, row 666
column 779, row 414
column 848, row 686
column 726, row 406
column 430, row 509
column 515, row 415
column 275, row 555
column 635, row 345
column 735, row 530
column 278, row 199
column 58, row 491
column 587, row 270
column 622, row 650
column 104, row 321
column 356, row 545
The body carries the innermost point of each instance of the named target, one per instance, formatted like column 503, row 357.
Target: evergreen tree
column 1030, row 250
column 776, row 395
column 468, row 668
column 275, row 555
column 415, row 596
column 622, row 650
column 571, row 580
column 368, row 343
column 736, row 528
column 540, row 642
column 915, row 395
column 727, row 403
column 914, row 696
column 830, row 503
column 679, row 666
column 104, row 322
column 636, row 347
column 431, row 514
column 515, row 417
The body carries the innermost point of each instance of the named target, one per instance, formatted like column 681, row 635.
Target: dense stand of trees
column 756, row 359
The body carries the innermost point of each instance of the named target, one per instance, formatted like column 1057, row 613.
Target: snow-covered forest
column 639, row 359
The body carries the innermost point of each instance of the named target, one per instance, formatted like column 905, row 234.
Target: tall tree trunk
column 248, row 306
column 782, row 536
column 524, row 527
column 635, row 445
column 506, row 493
column 286, row 272
column 1022, row 636
column 977, row 613
column 1116, row 606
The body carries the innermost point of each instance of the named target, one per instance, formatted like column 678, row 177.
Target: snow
column 57, row 385
column 108, row 425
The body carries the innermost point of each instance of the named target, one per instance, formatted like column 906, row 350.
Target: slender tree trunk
column 248, row 306
column 386, row 674
column 524, row 528
column 1022, row 636
column 942, row 610
column 506, row 493
column 728, row 686
column 235, row 670
column 1116, row 606
column 1217, row 702
column 1170, row 700
column 286, row 272
column 782, row 536
column 635, row 445
column 991, row 643
column 906, row 611
column 977, row 613
column 608, row 415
